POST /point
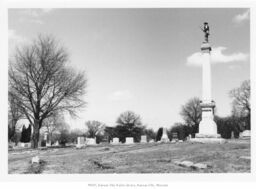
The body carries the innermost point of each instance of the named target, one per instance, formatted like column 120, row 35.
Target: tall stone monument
column 207, row 126
column 164, row 136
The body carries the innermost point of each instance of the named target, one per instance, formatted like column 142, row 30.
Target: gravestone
column 165, row 136
column 245, row 134
column 45, row 136
column 80, row 142
column 25, row 145
column 115, row 141
column 143, row 139
column 35, row 160
column 232, row 135
column 48, row 144
column 129, row 140
column 151, row 141
column 57, row 143
column 175, row 137
column 91, row 141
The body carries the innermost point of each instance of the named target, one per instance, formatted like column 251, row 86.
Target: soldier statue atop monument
column 206, row 31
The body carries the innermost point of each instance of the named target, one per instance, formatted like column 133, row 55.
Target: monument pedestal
column 207, row 126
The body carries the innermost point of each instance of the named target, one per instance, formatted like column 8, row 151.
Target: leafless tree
column 94, row 128
column 191, row 113
column 53, row 124
column 42, row 84
column 14, row 115
column 129, row 119
column 241, row 101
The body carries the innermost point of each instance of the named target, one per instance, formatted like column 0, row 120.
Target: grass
column 137, row 158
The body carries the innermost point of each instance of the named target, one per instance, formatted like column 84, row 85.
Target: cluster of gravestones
column 82, row 141
column 45, row 142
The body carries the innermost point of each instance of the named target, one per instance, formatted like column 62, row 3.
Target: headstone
column 25, row 145
column 151, row 141
column 91, row 141
column 129, row 140
column 45, row 136
column 232, row 135
column 175, row 137
column 22, row 144
column 115, row 141
column 35, row 160
column 143, row 139
column 48, row 144
column 165, row 136
column 57, row 143
column 80, row 142
column 245, row 134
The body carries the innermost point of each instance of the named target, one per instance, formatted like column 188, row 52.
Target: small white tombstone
column 246, row 134
column 151, row 141
column 45, row 136
column 48, row 144
column 143, row 139
column 22, row 144
column 129, row 140
column 35, row 160
column 80, row 142
column 57, row 143
column 115, row 141
column 25, row 144
column 91, row 141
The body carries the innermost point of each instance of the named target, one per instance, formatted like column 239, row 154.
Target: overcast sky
column 144, row 60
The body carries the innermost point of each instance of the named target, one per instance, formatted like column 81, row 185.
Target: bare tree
column 14, row 115
column 129, row 124
column 241, row 101
column 42, row 84
column 94, row 128
column 129, row 119
column 191, row 113
column 53, row 124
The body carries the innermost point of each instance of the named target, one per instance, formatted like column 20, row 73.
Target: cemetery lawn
column 232, row 157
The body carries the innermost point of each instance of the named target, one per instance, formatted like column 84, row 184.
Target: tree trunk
column 35, row 137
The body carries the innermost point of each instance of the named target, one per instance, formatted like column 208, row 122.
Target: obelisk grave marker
column 207, row 126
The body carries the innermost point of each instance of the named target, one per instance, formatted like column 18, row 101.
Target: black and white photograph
column 128, row 90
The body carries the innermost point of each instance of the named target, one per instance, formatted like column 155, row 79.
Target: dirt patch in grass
column 102, row 165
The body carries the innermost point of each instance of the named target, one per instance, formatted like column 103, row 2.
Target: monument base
column 165, row 140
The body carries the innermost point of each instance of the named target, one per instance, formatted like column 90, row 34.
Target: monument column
column 207, row 126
